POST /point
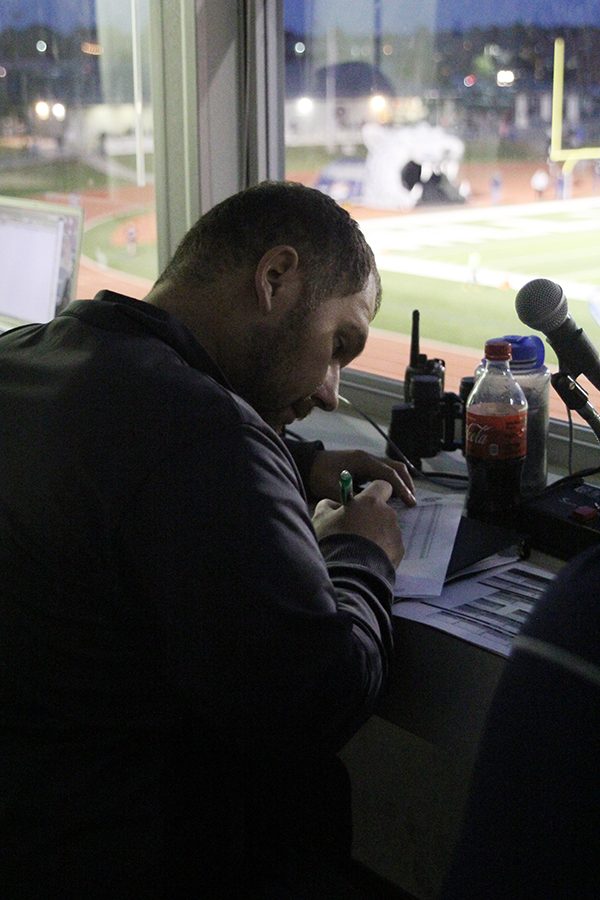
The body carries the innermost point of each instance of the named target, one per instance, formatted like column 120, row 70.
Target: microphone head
column 542, row 305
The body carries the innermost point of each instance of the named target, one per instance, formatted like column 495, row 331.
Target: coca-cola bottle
column 495, row 437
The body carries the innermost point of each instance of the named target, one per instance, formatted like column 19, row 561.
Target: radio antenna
column 414, row 340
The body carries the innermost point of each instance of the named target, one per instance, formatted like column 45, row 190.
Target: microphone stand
column 575, row 397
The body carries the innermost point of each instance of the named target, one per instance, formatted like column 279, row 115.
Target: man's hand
column 324, row 475
column 368, row 515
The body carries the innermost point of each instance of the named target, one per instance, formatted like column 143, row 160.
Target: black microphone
column 542, row 305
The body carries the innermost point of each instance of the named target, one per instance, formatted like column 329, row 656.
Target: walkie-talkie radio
column 425, row 423
column 419, row 364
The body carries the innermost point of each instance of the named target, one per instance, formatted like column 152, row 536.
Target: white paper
column 428, row 532
column 487, row 610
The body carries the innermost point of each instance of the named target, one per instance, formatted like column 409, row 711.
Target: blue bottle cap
column 527, row 350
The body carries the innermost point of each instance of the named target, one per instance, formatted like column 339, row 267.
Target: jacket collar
column 116, row 312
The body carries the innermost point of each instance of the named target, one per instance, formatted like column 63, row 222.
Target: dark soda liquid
column 494, row 487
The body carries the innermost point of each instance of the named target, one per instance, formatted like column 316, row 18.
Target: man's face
column 295, row 366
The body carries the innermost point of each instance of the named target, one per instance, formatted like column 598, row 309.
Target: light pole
column 376, row 33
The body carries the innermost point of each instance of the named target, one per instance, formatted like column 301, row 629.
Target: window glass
column 76, row 128
column 465, row 137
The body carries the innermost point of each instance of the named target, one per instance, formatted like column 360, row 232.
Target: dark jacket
column 176, row 651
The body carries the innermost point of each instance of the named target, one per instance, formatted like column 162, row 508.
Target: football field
column 462, row 268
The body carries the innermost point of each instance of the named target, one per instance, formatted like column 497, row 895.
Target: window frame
column 217, row 89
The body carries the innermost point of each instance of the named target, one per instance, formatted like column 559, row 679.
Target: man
column 183, row 650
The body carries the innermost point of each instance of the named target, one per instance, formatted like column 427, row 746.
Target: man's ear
column 276, row 269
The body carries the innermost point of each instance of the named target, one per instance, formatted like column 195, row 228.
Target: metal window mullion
column 175, row 113
column 138, row 99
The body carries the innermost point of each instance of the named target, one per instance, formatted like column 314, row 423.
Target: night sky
column 400, row 16
column 404, row 15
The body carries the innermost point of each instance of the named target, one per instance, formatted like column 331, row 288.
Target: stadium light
column 505, row 78
column 42, row 110
column 378, row 103
column 304, row 106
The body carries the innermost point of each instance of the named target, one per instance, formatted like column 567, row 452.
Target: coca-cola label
column 496, row 437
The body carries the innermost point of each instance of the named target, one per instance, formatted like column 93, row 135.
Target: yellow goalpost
column 558, row 153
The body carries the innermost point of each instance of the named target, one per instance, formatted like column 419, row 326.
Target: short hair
column 334, row 256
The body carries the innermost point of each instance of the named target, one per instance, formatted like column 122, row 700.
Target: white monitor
column 40, row 245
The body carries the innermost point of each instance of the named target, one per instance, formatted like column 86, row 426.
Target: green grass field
column 98, row 245
column 59, row 176
column 462, row 314
column 462, row 270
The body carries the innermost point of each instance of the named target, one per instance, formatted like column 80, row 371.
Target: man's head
column 279, row 285
column 334, row 258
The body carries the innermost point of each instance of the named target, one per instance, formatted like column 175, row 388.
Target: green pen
column 346, row 487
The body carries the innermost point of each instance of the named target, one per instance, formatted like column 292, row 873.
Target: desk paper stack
column 485, row 604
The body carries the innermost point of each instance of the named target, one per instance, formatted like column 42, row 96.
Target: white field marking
column 533, row 215
column 497, row 278
column 392, row 237
column 465, row 214
column 387, row 241
column 388, row 237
